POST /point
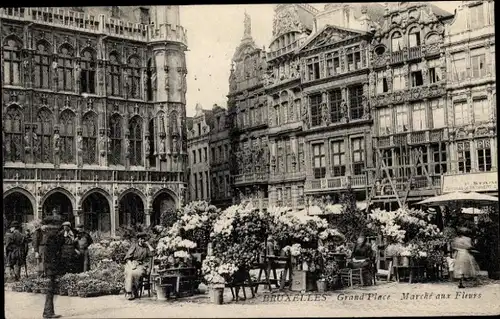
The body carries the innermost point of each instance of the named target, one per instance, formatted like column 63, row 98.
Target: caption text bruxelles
column 368, row 296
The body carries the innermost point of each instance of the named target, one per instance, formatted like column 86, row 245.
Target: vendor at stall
column 137, row 264
column 363, row 257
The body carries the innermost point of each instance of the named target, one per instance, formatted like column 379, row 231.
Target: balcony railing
column 80, row 21
column 397, row 56
column 75, row 175
column 415, row 52
column 287, row 49
column 327, row 183
column 418, row 137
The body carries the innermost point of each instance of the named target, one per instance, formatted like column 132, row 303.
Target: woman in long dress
column 466, row 266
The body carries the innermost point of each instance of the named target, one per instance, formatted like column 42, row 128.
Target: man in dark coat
column 84, row 241
column 15, row 250
column 54, row 242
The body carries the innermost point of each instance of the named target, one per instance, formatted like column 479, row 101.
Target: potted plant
column 394, row 251
column 405, row 256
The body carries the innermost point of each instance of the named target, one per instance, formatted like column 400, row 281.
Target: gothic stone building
column 93, row 113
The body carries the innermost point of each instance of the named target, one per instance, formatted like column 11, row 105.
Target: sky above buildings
column 214, row 33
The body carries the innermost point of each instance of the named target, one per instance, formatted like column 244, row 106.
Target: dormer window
column 477, row 18
column 115, row 12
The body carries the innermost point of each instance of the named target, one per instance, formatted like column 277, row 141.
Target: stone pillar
column 494, row 154
column 147, row 216
column 78, row 216
column 113, row 214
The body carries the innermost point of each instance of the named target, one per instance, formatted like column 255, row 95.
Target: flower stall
column 181, row 251
column 309, row 241
column 413, row 243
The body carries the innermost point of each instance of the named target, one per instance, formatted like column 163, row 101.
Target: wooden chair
column 145, row 283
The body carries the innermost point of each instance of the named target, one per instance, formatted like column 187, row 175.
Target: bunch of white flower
column 181, row 254
column 295, row 250
column 227, row 268
column 186, row 243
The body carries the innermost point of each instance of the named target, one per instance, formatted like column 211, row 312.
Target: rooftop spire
column 247, row 22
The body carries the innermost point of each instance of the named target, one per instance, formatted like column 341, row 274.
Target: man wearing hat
column 70, row 253
column 84, row 241
column 137, row 258
column 14, row 250
column 53, row 243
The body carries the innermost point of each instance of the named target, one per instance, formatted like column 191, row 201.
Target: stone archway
column 17, row 207
column 96, row 212
column 130, row 210
column 163, row 203
column 60, row 204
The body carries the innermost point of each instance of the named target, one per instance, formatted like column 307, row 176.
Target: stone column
column 147, row 216
column 113, row 214
column 494, row 154
column 78, row 216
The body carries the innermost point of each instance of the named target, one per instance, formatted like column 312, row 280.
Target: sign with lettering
column 473, row 182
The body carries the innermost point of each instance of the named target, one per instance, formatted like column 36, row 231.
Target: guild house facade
column 93, row 114
column 396, row 101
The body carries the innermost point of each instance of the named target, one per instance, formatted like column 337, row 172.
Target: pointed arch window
column 134, row 77
column 42, row 66
column 65, row 79
column 114, row 75
column 149, row 82
column 87, row 72
column 90, row 138
column 11, row 62
column 135, row 127
column 44, row 131
column 115, row 125
column 67, row 137
column 13, row 138
column 397, row 42
column 151, row 141
column 173, row 127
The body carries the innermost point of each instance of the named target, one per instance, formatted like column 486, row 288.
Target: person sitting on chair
column 137, row 265
column 363, row 257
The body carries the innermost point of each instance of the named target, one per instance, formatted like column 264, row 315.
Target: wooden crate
column 303, row 281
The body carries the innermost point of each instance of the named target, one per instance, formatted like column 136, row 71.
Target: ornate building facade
column 199, row 160
column 292, row 24
column 408, row 95
column 247, row 115
column 469, row 45
column 337, row 118
column 93, row 113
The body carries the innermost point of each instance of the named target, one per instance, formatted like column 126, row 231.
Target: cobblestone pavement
column 381, row 300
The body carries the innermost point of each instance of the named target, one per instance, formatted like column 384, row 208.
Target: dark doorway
column 59, row 204
column 162, row 205
column 131, row 210
column 17, row 207
column 96, row 213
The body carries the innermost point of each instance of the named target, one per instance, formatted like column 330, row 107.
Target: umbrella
column 459, row 197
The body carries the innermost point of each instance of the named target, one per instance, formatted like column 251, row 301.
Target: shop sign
column 473, row 182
